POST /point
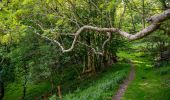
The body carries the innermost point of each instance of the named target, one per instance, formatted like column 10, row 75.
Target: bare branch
column 93, row 49
column 155, row 23
column 104, row 43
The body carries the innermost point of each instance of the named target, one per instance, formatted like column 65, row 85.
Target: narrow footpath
column 125, row 84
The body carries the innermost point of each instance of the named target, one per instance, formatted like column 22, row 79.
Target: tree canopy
column 55, row 41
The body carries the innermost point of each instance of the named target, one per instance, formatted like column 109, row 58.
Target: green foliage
column 34, row 90
column 25, row 54
column 102, row 88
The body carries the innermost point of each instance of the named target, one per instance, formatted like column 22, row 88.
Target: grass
column 147, row 85
column 104, row 82
column 14, row 90
column 150, row 83
column 101, row 87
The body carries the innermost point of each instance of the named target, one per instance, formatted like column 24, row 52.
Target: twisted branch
column 155, row 21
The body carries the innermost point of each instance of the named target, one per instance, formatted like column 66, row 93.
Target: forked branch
column 155, row 21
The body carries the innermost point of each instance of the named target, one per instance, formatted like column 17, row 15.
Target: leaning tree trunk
column 90, row 66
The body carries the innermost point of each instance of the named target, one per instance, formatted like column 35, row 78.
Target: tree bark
column 155, row 21
column 59, row 92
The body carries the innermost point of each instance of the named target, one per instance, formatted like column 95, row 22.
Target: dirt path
column 125, row 84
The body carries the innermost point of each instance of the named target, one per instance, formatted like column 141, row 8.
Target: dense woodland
column 84, row 49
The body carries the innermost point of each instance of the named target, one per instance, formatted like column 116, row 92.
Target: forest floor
column 125, row 84
column 150, row 83
column 100, row 86
column 103, row 87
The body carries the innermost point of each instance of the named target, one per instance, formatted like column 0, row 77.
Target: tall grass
column 102, row 88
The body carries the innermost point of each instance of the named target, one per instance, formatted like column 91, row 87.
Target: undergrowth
column 101, row 87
